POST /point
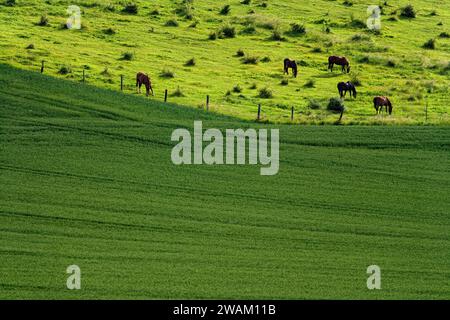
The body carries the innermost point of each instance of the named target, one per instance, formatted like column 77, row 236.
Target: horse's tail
column 375, row 102
column 354, row 91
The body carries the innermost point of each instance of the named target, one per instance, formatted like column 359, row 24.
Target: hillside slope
column 86, row 179
column 162, row 37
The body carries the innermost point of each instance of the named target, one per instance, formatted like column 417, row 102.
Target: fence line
column 258, row 118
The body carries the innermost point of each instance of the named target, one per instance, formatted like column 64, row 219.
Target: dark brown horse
column 340, row 61
column 143, row 79
column 290, row 64
column 343, row 87
column 380, row 102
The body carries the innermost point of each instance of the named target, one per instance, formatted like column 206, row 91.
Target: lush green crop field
column 86, row 179
column 392, row 62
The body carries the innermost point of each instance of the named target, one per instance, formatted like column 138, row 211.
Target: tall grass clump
column 408, row 12
column 167, row 73
column 64, row 70
column 250, row 59
column 297, row 29
column 430, row 44
column 227, row 31
column 171, row 23
column 265, row 93
column 190, row 63
column 130, row 8
column 127, row 56
column 335, row 105
column 43, row 21
column 225, row 10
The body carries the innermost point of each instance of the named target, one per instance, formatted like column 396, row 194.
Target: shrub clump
column 298, row 29
column 64, row 70
column 408, row 12
column 250, row 59
column 128, row 56
column 310, row 83
column 172, row 23
column 212, row 36
column 391, row 63
column 265, row 93
column 335, row 105
column 10, row 3
column 43, row 21
column 178, row 93
column 277, row 35
column 314, row 104
column 190, row 63
column 430, row 44
column 227, row 31
column 237, row 89
column 166, row 73
column 225, row 10
column 130, row 8
column 186, row 10
column 240, row 53
column 109, row 31
column 355, row 80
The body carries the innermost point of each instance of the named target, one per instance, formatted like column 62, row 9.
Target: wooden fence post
column 121, row 82
column 207, row 102
column 259, row 112
column 165, row 96
column 292, row 113
column 42, row 66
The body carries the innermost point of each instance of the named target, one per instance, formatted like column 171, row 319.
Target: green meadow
column 86, row 178
column 173, row 41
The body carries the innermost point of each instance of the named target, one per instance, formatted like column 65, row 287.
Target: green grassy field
column 392, row 63
column 86, row 178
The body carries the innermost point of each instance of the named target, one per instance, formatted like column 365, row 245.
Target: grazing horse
column 340, row 61
column 380, row 102
column 143, row 79
column 343, row 87
column 290, row 64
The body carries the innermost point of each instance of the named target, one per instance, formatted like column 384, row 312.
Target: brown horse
column 380, row 102
column 340, row 61
column 290, row 64
column 143, row 79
